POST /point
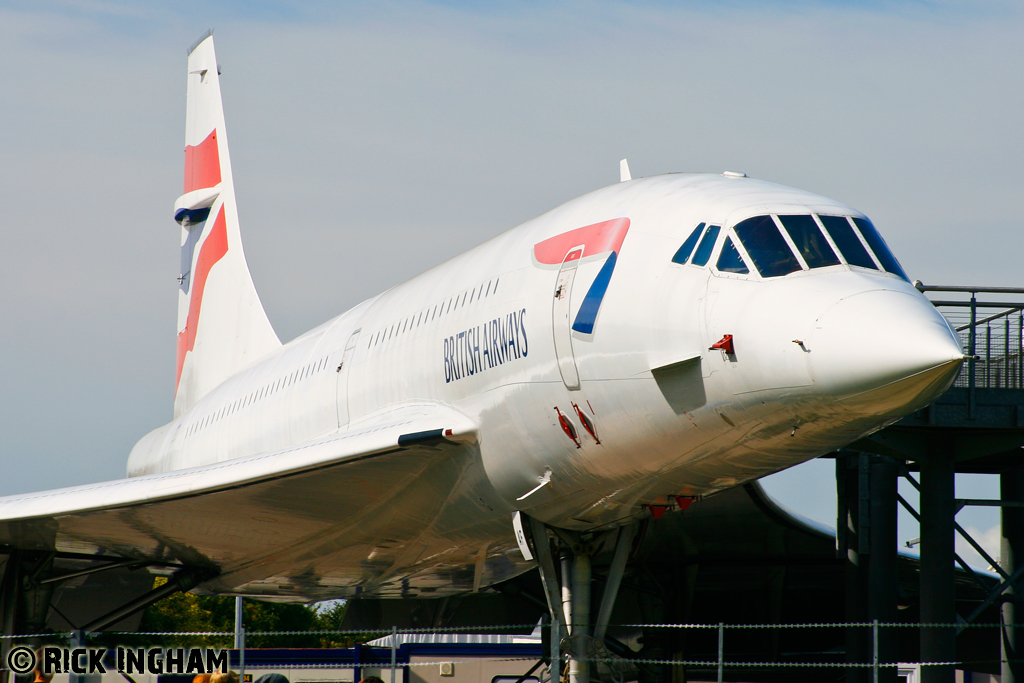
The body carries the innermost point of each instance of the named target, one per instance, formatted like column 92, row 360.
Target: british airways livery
column 647, row 344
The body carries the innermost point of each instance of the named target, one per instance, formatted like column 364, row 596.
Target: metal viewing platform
column 977, row 426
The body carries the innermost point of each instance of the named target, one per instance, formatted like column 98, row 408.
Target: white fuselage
column 821, row 357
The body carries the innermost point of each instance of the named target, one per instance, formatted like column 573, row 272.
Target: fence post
column 972, row 350
column 1006, row 352
column 394, row 650
column 721, row 651
column 239, row 622
column 874, row 650
column 241, row 654
column 1020, row 349
column 988, row 356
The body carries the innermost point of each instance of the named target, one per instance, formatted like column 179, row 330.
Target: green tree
column 188, row 613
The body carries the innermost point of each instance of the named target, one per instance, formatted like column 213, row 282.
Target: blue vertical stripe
column 587, row 315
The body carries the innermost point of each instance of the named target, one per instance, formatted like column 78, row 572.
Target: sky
column 370, row 141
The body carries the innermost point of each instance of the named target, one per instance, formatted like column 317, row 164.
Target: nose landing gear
column 574, row 637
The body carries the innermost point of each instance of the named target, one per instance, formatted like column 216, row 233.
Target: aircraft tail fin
column 222, row 326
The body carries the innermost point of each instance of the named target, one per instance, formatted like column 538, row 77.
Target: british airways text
column 485, row 346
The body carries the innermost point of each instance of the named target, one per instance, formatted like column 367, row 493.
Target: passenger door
column 561, row 323
column 343, row 375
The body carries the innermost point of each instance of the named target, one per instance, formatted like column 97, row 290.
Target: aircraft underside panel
column 358, row 513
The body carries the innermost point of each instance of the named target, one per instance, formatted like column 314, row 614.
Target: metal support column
column 883, row 579
column 1011, row 557
column 938, row 594
column 9, row 595
column 866, row 487
column 852, row 546
column 565, row 559
column 579, row 663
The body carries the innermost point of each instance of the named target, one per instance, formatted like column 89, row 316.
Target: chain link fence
column 392, row 651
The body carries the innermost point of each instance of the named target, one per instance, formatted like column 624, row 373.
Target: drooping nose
column 886, row 346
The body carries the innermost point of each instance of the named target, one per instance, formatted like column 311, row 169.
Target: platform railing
column 991, row 330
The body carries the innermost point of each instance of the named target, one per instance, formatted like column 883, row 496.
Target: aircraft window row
column 707, row 244
column 684, row 251
column 430, row 313
column 781, row 244
column 252, row 397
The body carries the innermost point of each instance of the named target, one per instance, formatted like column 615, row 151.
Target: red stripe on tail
column 202, row 164
column 213, row 250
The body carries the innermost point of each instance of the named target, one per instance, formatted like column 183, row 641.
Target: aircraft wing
column 254, row 517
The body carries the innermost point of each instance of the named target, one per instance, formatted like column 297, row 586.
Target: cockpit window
column 706, row 246
column 878, row 246
column 684, row 251
column 730, row 261
column 846, row 239
column 766, row 246
column 807, row 237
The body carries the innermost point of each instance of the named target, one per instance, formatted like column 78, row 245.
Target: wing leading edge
column 264, row 519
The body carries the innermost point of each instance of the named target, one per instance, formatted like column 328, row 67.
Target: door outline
column 343, row 375
column 561, row 323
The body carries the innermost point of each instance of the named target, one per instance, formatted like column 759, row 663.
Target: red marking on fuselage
column 596, row 239
column 213, row 250
column 587, row 423
column 567, row 427
column 726, row 344
column 684, row 501
column 202, row 164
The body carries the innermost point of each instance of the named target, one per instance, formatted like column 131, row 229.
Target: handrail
column 921, row 287
column 995, row 349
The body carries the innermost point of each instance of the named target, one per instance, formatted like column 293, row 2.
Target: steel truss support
column 182, row 580
column 1011, row 576
column 1011, row 557
column 570, row 602
column 1010, row 568
column 29, row 580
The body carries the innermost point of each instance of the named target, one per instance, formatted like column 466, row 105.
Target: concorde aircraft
column 632, row 350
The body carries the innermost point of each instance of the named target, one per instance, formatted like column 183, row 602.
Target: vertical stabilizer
column 222, row 326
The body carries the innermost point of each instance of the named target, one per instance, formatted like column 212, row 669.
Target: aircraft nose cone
column 883, row 338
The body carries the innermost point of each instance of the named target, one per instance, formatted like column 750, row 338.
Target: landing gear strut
column 569, row 601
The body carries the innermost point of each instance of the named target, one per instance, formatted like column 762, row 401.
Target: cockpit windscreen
column 766, row 246
column 878, row 246
column 846, row 239
column 730, row 261
column 807, row 237
column 780, row 244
